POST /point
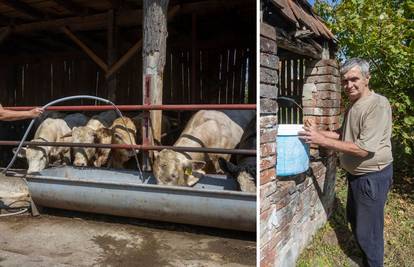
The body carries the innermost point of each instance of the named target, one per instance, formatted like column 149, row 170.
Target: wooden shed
column 55, row 48
column 297, row 61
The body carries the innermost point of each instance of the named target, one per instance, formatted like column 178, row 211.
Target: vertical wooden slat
column 232, row 72
column 184, row 94
column 176, row 90
column 237, row 74
column 30, row 86
column 214, row 72
column 44, row 84
column 195, row 96
column 3, row 88
column 301, row 79
column 166, row 79
column 295, row 90
column 58, row 76
column 227, row 76
column 282, row 90
column 16, row 71
column 202, row 57
column 289, row 88
column 187, row 76
column 243, row 76
column 221, row 83
column 252, row 76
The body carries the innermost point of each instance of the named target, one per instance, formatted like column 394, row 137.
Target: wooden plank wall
column 292, row 74
column 223, row 76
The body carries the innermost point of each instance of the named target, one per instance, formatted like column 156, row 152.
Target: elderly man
column 364, row 146
column 10, row 115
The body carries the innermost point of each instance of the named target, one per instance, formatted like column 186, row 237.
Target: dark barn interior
column 302, row 37
column 51, row 49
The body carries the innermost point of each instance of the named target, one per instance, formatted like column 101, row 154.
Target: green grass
column 333, row 245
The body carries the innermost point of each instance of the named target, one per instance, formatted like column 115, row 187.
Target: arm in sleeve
column 373, row 128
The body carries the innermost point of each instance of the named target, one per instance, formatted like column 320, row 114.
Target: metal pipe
column 145, row 107
column 250, row 152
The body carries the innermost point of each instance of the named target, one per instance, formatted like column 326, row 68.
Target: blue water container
column 292, row 153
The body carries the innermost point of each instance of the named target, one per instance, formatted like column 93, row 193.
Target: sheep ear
column 156, row 153
column 22, row 152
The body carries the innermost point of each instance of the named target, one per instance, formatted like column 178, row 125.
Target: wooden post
column 154, row 57
column 112, row 54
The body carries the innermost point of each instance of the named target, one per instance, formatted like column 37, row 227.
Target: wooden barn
column 168, row 56
column 51, row 49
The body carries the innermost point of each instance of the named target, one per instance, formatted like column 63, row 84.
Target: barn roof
column 44, row 24
column 300, row 13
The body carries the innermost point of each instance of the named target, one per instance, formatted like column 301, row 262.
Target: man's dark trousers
column 367, row 195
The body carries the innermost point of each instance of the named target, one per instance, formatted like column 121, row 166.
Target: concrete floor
column 66, row 238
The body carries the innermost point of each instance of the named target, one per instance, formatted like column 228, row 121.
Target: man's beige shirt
column 368, row 124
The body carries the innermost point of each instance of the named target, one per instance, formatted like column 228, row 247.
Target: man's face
column 355, row 84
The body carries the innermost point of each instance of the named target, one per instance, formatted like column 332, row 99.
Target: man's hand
column 311, row 135
column 310, row 123
column 36, row 112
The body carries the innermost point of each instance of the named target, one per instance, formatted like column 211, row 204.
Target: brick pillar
column 321, row 97
column 302, row 204
column 269, row 65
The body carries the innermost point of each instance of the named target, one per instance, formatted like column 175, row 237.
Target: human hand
column 310, row 123
column 311, row 136
column 36, row 112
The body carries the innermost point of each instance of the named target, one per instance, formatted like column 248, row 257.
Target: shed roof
column 300, row 13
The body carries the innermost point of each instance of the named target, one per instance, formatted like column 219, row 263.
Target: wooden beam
column 24, row 8
column 86, row 49
column 4, row 34
column 136, row 47
column 296, row 46
column 82, row 23
column 73, row 7
column 125, row 18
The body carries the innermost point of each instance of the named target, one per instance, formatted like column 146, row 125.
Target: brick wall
column 293, row 209
column 269, row 63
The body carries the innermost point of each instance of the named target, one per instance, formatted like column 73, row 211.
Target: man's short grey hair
column 361, row 63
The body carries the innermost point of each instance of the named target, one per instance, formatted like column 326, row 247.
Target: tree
column 381, row 31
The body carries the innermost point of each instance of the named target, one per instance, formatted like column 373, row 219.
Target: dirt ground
column 62, row 238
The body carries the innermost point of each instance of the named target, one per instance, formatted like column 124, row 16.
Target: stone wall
column 293, row 208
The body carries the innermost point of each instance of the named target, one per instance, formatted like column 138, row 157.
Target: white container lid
column 289, row 129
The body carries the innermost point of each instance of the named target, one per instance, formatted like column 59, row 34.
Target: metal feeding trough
column 213, row 202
